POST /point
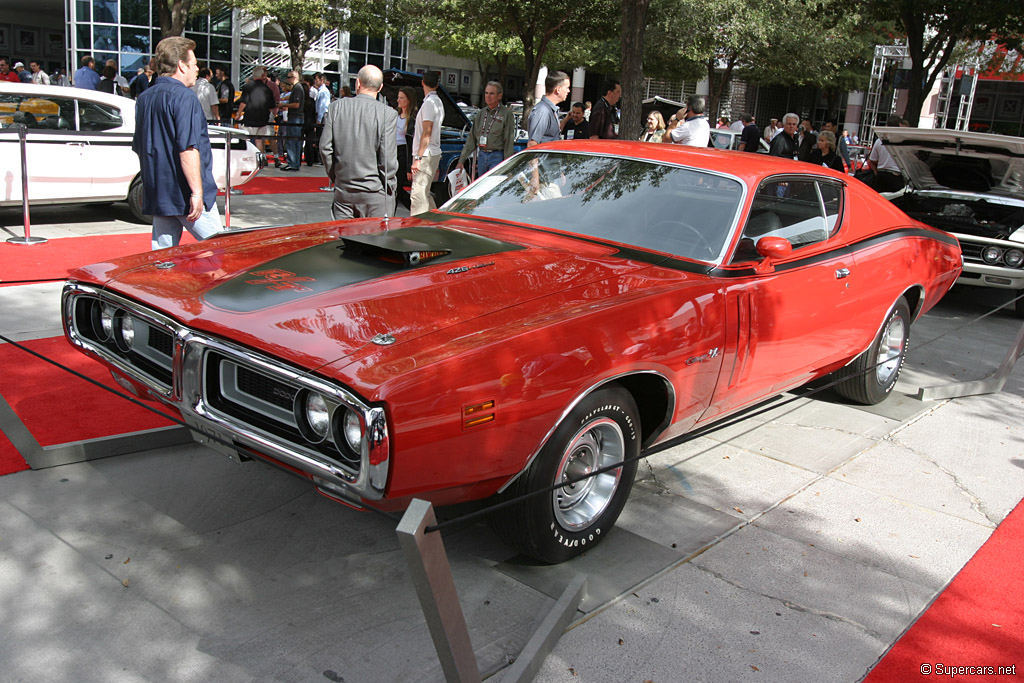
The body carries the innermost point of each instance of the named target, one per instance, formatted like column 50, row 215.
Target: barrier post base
column 26, row 240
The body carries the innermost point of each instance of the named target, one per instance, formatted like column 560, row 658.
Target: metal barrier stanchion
column 991, row 385
column 27, row 239
column 227, row 179
column 435, row 587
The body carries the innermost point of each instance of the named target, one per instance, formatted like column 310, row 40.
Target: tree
column 535, row 24
column 934, row 27
column 173, row 14
column 459, row 36
column 634, row 24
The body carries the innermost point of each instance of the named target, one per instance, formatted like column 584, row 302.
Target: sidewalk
column 795, row 545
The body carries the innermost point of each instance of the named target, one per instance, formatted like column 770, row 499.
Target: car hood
column 941, row 159
column 319, row 294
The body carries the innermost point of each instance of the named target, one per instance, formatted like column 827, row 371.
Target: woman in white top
column 403, row 137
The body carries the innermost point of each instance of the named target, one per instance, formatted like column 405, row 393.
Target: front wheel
column 870, row 378
column 601, row 431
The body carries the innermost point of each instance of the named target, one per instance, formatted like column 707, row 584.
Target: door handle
column 842, row 272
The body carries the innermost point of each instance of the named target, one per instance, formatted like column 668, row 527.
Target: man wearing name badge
column 359, row 148
column 689, row 126
column 493, row 134
column 426, row 146
column 604, row 119
column 575, row 125
column 543, row 125
column 173, row 145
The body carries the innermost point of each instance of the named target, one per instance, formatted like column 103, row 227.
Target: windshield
column 679, row 211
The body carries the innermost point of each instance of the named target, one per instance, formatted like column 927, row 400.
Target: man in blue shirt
column 86, row 76
column 543, row 125
column 173, row 145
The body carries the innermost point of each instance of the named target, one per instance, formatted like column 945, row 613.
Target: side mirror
column 772, row 249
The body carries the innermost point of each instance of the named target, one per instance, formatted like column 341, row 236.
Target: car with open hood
column 972, row 185
column 78, row 148
column 577, row 304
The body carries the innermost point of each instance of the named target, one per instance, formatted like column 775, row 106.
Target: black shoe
column 290, row 169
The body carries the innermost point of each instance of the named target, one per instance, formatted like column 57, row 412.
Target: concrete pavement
column 795, row 544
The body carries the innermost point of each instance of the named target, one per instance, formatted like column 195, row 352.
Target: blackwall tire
column 135, row 202
column 871, row 377
column 602, row 430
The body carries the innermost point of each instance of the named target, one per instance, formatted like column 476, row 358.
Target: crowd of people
column 375, row 154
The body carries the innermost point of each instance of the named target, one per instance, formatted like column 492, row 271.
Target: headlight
column 353, row 430
column 1013, row 257
column 316, row 415
column 103, row 321
column 124, row 330
column 991, row 255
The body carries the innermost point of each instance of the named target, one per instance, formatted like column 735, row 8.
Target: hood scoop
column 390, row 248
column 358, row 260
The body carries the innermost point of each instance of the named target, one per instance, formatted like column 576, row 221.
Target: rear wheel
column 135, row 201
column 601, row 431
column 870, row 378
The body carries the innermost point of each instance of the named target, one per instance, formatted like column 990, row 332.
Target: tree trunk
column 634, row 24
column 173, row 15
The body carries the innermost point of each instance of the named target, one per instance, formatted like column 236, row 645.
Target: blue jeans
column 488, row 159
column 293, row 144
column 167, row 229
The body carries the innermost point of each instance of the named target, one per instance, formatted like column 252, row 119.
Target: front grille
column 256, row 399
column 161, row 341
column 150, row 353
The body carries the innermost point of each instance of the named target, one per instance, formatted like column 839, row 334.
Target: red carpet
column 10, row 459
column 60, row 408
column 53, row 259
column 978, row 621
column 284, row 184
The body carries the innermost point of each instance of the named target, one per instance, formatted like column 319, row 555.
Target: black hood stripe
column 328, row 266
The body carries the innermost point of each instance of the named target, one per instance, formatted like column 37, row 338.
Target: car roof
column 751, row 168
column 62, row 91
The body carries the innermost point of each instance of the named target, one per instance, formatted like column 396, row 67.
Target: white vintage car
column 79, row 148
column 972, row 185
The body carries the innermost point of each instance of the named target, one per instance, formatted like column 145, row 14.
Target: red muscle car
column 574, row 306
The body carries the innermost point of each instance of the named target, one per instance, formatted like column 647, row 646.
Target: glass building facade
column 128, row 31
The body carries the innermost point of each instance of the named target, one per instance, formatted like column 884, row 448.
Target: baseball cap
column 17, row 64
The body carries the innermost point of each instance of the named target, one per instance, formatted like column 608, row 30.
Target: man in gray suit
column 359, row 147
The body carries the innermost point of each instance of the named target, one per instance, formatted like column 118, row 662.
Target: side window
column 54, row 113
column 832, row 198
column 790, row 209
column 97, row 117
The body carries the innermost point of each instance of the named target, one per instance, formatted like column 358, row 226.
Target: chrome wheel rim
column 890, row 350
column 599, row 444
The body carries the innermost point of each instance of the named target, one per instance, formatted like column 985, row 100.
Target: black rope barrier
column 770, row 404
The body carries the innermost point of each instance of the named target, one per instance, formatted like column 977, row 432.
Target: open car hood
column 394, row 79
column 961, row 161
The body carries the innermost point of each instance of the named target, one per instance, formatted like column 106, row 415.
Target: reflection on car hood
column 940, row 159
column 317, row 294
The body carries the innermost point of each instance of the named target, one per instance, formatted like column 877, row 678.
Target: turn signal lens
column 991, row 255
column 478, row 414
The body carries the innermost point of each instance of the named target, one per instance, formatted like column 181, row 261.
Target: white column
column 704, row 87
column 579, row 77
column 854, row 111
column 538, row 90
